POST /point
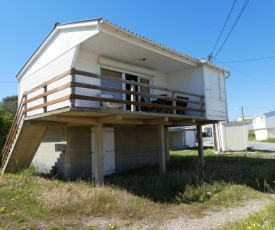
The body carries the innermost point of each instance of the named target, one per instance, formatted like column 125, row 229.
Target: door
column 134, row 78
column 109, row 150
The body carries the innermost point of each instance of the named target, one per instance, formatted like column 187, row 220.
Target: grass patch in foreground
column 31, row 202
column 265, row 219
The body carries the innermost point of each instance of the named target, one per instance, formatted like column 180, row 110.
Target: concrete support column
column 99, row 155
column 161, row 149
column 200, row 144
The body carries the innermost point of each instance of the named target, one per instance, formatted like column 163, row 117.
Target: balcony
column 78, row 93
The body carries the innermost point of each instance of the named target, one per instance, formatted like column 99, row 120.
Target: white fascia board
column 120, row 33
column 50, row 37
column 216, row 67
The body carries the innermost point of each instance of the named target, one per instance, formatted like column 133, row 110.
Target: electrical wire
column 247, row 60
column 223, row 27
column 232, row 28
column 247, row 75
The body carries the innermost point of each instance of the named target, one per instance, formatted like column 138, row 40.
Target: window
column 113, row 84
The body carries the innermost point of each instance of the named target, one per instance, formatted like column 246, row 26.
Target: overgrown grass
column 28, row 201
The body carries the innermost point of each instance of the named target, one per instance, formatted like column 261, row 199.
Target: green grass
column 270, row 140
column 28, row 201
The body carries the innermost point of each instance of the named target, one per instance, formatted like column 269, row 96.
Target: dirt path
column 217, row 219
column 212, row 220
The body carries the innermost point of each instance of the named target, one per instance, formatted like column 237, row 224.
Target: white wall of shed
column 190, row 138
column 234, row 136
column 176, row 140
column 215, row 94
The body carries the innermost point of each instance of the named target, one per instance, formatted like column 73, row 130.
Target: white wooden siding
column 189, row 80
column 61, row 43
column 36, row 102
column 87, row 61
column 215, row 94
column 59, row 94
column 58, row 66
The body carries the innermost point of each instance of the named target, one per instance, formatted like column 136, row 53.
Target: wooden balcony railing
column 176, row 102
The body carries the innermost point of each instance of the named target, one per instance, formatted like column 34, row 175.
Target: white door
column 108, row 149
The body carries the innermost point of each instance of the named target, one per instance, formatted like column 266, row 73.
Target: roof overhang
column 117, row 43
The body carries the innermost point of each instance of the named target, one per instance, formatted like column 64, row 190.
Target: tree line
column 8, row 107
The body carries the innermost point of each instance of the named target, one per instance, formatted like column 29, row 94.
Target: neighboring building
column 248, row 119
column 182, row 137
column 264, row 125
column 231, row 136
column 208, row 130
column 97, row 99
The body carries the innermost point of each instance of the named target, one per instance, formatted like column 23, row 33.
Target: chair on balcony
column 181, row 104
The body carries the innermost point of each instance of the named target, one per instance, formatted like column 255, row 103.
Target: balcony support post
column 174, row 103
column 200, row 144
column 161, row 148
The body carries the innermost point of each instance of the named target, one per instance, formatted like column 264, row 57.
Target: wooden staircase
column 21, row 144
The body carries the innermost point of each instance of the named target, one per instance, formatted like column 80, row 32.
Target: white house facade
column 264, row 126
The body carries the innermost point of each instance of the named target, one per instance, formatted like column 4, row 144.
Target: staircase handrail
column 13, row 131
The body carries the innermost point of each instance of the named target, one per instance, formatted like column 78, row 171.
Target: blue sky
column 191, row 27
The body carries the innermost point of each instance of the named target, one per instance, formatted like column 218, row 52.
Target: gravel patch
column 213, row 220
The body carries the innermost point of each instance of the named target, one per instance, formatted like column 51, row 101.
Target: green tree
column 8, row 108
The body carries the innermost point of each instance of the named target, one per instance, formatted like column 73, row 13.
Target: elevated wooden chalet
column 96, row 99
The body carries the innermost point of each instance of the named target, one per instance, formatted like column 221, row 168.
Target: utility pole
column 242, row 113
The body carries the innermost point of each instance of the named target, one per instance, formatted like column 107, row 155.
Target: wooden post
column 133, row 98
column 215, row 138
column 45, row 98
column 161, row 149
column 72, row 91
column 174, row 103
column 167, row 144
column 26, row 105
column 99, row 155
column 200, row 144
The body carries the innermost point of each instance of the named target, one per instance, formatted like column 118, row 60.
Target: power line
column 223, row 28
column 6, row 82
column 232, row 28
column 247, row 75
column 262, row 107
column 247, row 60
